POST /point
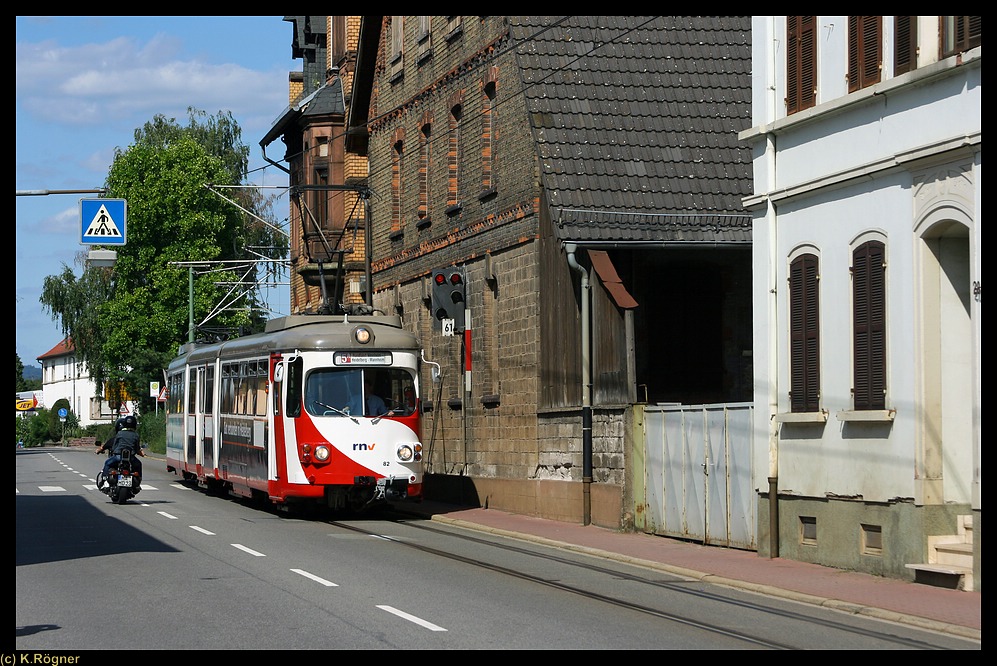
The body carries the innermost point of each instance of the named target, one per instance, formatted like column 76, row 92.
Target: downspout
column 586, row 390
column 368, row 242
column 771, row 222
column 773, row 360
column 263, row 148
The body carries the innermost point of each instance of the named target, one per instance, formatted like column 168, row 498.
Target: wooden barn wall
column 611, row 380
column 560, row 326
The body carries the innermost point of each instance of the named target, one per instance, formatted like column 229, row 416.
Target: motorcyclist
column 126, row 437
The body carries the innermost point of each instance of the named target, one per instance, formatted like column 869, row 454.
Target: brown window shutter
column 904, row 44
column 865, row 35
column 804, row 324
column 960, row 33
column 968, row 32
column 974, row 25
column 801, row 63
column 869, row 324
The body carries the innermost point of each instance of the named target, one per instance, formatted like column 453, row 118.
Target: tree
column 19, row 372
column 38, row 429
column 22, row 430
column 21, row 382
column 56, row 426
column 127, row 322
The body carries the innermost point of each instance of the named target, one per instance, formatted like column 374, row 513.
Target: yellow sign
column 25, row 405
column 116, row 393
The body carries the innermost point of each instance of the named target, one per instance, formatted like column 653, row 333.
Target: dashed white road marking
column 201, row 530
column 315, row 578
column 248, row 550
column 412, row 618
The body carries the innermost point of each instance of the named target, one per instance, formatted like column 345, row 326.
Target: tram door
column 285, row 405
column 207, row 422
column 190, row 445
column 275, row 415
column 199, row 422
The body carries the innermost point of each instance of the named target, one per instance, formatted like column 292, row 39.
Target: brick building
column 585, row 173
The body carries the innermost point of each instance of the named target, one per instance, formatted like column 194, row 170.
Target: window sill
column 802, row 417
column 397, row 234
column 874, row 415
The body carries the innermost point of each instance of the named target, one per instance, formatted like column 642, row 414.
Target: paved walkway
column 940, row 609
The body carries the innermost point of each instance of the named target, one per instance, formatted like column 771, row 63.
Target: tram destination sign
column 362, row 358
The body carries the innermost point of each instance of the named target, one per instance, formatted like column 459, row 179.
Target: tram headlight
column 409, row 452
column 362, row 334
column 315, row 453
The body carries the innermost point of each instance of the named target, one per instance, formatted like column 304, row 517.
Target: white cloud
column 93, row 84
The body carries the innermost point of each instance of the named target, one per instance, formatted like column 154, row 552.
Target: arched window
column 804, row 334
column 869, row 325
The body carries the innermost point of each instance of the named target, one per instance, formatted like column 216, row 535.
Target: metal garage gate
column 698, row 471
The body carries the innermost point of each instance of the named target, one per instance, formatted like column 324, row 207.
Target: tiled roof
column 635, row 120
column 64, row 348
column 327, row 100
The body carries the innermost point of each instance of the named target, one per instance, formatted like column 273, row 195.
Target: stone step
column 943, row 575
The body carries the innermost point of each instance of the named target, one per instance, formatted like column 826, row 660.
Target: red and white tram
column 290, row 415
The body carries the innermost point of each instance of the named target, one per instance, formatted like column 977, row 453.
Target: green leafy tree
column 57, row 428
column 38, row 429
column 126, row 322
column 20, row 383
column 22, row 429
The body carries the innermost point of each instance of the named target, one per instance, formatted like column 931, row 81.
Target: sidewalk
column 939, row 609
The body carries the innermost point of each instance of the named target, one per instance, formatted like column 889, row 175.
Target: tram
column 316, row 410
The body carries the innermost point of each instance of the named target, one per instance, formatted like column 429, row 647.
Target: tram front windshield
column 339, row 392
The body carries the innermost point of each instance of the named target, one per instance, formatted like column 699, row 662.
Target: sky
column 84, row 84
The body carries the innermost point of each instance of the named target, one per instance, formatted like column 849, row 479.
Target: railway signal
column 448, row 299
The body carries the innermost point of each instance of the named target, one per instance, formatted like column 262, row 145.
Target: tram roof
column 308, row 332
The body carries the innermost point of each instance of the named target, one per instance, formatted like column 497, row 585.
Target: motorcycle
column 122, row 483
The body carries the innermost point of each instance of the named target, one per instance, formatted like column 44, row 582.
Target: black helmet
column 119, row 424
column 129, row 422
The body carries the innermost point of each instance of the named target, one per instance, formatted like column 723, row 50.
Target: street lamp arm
column 42, row 193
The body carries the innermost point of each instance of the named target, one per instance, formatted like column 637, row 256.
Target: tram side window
column 228, row 388
column 174, row 404
column 209, row 389
column 261, row 388
column 191, row 391
column 244, row 396
column 293, row 382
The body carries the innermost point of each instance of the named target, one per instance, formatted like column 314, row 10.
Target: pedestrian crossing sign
column 103, row 221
